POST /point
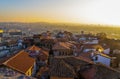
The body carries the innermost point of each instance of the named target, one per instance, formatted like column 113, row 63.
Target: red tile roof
column 34, row 48
column 20, row 62
column 60, row 45
column 45, row 52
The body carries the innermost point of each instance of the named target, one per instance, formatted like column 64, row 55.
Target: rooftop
column 20, row 62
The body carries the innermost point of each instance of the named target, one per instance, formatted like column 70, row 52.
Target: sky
column 73, row 11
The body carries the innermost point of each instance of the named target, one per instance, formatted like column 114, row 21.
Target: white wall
column 103, row 60
column 86, row 50
column 92, row 42
column 107, row 51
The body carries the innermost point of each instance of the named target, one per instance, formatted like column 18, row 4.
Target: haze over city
column 59, row 39
column 70, row 11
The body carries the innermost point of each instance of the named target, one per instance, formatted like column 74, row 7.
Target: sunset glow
column 75, row 11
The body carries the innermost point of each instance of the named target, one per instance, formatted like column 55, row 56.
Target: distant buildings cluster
column 60, row 55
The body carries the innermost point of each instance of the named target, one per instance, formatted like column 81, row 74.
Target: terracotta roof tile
column 45, row 52
column 34, row 48
column 61, row 45
column 20, row 62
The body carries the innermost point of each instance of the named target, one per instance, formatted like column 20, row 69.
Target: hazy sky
column 76, row 11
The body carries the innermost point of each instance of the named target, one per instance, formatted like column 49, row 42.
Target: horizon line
column 98, row 24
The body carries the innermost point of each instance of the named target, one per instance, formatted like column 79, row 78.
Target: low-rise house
column 92, row 47
column 62, row 39
column 20, row 43
column 5, row 34
column 87, row 39
column 35, row 51
column 15, row 34
column 37, row 36
column 67, row 35
column 6, row 73
column 69, row 67
column 92, row 41
column 105, row 72
column 4, row 53
column 2, row 47
column 66, row 48
column 43, row 73
column 82, row 39
column 98, row 57
column 40, row 55
column 106, row 49
column 22, row 63
column 47, row 43
column 28, row 42
column 62, row 49
column 102, row 58
column 75, row 47
column 47, row 33
column 12, row 42
column 60, row 35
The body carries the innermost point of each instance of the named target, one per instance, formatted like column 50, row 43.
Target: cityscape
column 54, row 39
